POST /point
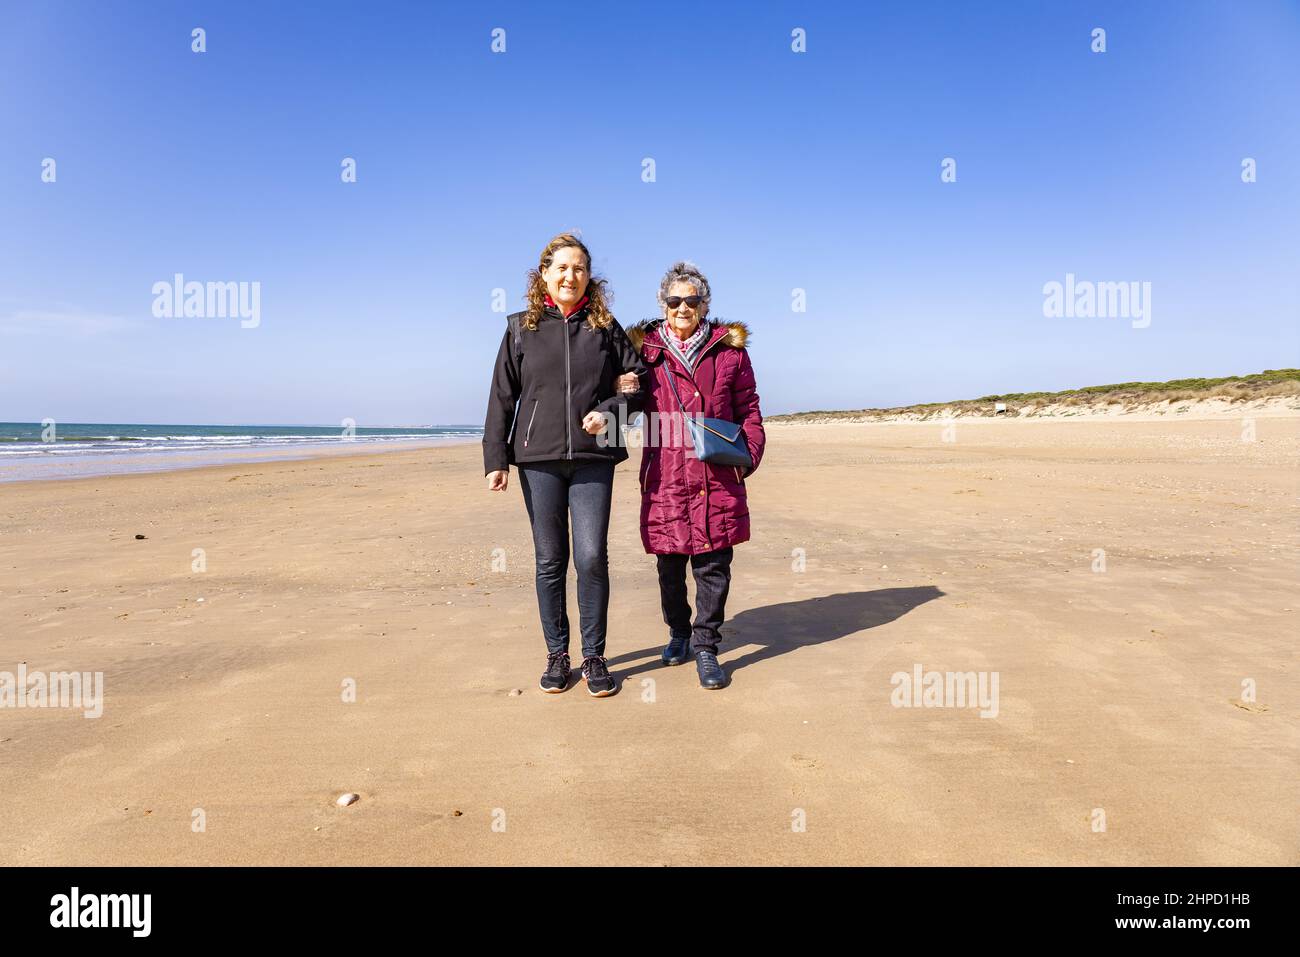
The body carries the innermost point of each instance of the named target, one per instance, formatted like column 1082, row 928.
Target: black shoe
column 710, row 672
column 678, row 651
column 556, row 678
column 600, row 683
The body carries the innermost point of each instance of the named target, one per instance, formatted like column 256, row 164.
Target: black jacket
column 563, row 370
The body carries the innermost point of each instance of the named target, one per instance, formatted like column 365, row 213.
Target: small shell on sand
column 345, row 799
column 515, row 692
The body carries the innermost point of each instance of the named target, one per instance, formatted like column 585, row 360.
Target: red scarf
column 581, row 302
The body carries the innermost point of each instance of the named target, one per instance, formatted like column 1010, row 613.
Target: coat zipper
column 530, row 422
column 708, row 347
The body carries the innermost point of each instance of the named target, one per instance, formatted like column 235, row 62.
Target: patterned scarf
column 688, row 352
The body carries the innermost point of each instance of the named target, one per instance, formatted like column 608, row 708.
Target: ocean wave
column 136, row 445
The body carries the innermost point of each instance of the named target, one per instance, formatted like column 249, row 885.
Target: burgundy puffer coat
column 688, row 506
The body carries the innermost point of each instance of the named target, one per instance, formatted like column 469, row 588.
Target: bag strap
column 672, row 381
column 672, row 377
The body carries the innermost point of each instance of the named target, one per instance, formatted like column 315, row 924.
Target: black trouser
column 712, row 580
column 553, row 490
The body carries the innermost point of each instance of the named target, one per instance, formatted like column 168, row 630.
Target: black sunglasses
column 672, row 302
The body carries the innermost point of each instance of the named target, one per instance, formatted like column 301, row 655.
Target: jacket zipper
column 568, row 393
column 530, row 422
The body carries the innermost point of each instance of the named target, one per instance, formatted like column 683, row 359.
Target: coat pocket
column 730, row 477
column 647, row 459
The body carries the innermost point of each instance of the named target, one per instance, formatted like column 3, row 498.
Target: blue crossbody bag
column 715, row 441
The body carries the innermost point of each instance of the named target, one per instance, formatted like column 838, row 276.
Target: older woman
column 692, row 511
column 555, row 386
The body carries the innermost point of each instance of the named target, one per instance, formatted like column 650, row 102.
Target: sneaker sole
column 554, row 690
column 600, row 694
column 717, row 687
column 673, row 661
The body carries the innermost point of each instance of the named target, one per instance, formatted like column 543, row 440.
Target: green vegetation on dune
column 1259, row 378
column 1259, row 385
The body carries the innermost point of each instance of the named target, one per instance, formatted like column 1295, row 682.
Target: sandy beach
column 876, row 549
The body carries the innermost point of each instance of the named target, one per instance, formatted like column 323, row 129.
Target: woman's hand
column 498, row 480
column 593, row 423
column 629, row 384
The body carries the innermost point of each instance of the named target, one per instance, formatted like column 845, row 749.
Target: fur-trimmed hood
column 737, row 333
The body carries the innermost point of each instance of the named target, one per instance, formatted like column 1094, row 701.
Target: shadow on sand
column 778, row 629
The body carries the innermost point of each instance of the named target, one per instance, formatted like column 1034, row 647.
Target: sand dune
column 1215, row 407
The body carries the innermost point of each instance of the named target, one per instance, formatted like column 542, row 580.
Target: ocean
column 65, row 450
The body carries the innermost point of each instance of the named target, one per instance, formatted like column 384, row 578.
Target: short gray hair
column 684, row 271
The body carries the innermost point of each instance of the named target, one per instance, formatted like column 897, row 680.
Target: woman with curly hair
column 555, row 389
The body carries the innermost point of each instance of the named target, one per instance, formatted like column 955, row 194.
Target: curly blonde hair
column 599, row 295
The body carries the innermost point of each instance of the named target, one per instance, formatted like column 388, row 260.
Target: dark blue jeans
column 553, row 491
column 712, row 582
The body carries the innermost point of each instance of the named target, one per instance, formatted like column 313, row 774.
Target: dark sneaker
column 600, row 683
column 677, row 652
column 710, row 672
column 556, row 678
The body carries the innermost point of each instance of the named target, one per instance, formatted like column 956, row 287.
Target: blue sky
column 775, row 171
